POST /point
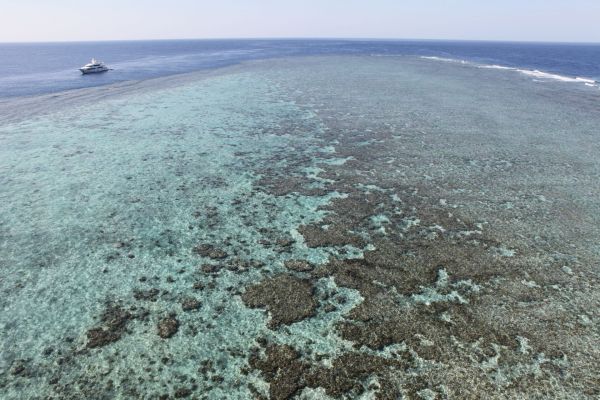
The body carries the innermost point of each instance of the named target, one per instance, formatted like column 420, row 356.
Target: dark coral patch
column 210, row 251
column 287, row 298
column 283, row 369
column 167, row 327
column 190, row 304
column 299, row 265
column 114, row 324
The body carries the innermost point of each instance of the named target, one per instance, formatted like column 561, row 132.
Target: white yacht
column 93, row 67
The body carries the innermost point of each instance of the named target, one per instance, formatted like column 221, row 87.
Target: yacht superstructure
column 93, row 67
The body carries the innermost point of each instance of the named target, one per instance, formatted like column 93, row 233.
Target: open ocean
column 300, row 219
column 35, row 68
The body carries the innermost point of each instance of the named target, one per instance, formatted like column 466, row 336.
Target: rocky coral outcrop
column 114, row 322
column 210, row 251
column 288, row 299
column 190, row 304
column 299, row 265
column 167, row 327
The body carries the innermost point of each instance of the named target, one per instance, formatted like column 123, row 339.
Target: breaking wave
column 534, row 73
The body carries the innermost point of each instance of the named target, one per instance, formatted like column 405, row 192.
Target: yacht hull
column 92, row 71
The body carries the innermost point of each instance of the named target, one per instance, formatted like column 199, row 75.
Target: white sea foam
column 539, row 76
column 452, row 60
column 586, row 80
column 545, row 75
column 493, row 66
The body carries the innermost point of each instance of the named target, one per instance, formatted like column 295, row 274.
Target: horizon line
column 307, row 38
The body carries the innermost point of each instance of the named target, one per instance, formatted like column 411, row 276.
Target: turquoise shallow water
column 102, row 203
column 148, row 177
column 145, row 171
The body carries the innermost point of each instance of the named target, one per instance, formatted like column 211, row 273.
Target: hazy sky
column 535, row 20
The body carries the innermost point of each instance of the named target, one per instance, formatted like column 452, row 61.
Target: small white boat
column 93, row 67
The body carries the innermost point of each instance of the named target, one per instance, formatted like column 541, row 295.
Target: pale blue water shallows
column 311, row 227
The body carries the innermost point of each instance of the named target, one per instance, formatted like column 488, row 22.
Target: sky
column 518, row 20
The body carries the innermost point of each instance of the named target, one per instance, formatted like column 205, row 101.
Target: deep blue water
column 36, row 68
